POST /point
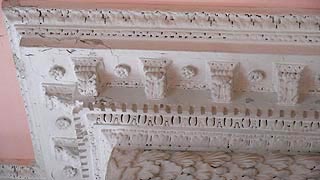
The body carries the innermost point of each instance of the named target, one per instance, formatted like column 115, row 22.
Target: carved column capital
column 221, row 81
column 86, row 72
column 84, row 115
column 155, row 77
column 288, row 77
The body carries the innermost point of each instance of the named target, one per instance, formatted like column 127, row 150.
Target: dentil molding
column 96, row 112
column 156, row 25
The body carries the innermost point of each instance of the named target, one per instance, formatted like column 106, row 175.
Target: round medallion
column 255, row 76
column 122, row 71
column 57, row 72
column 69, row 171
column 63, row 122
column 188, row 72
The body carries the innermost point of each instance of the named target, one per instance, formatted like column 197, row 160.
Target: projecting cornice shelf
column 101, row 79
column 183, row 30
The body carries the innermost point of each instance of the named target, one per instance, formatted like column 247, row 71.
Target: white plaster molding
column 57, row 72
column 35, row 171
column 66, row 163
column 204, row 26
column 63, row 123
column 188, row 122
column 69, row 171
column 86, row 72
column 122, row 71
column 135, row 128
column 240, row 122
column 255, row 76
column 62, row 92
column 188, row 72
column 32, row 172
column 155, row 77
column 195, row 132
column 75, row 132
column 289, row 76
column 184, row 165
column 221, row 81
column 66, row 149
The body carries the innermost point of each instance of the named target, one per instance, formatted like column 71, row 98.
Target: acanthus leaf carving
column 206, row 128
column 87, row 75
column 221, row 81
column 288, row 82
column 155, row 78
column 195, row 165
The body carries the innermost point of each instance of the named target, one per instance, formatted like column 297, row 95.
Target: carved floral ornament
column 195, row 132
column 256, row 76
column 188, row 71
column 113, row 22
column 155, row 77
column 70, row 171
column 57, row 72
column 289, row 76
column 86, row 72
column 122, row 70
column 220, row 81
column 221, row 85
column 63, row 122
column 211, row 127
column 221, row 75
column 184, row 165
column 90, row 124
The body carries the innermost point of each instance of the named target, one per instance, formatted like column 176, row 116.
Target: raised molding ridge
column 166, row 25
column 202, row 140
column 135, row 128
column 75, row 125
column 106, row 17
column 213, row 122
column 228, row 110
column 204, row 125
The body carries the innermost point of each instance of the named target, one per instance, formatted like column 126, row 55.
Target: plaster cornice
column 274, row 6
column 83, row 102
column 166, row 25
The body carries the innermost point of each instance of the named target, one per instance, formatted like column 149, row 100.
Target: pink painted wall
column 15, row 141
column 284, row 4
